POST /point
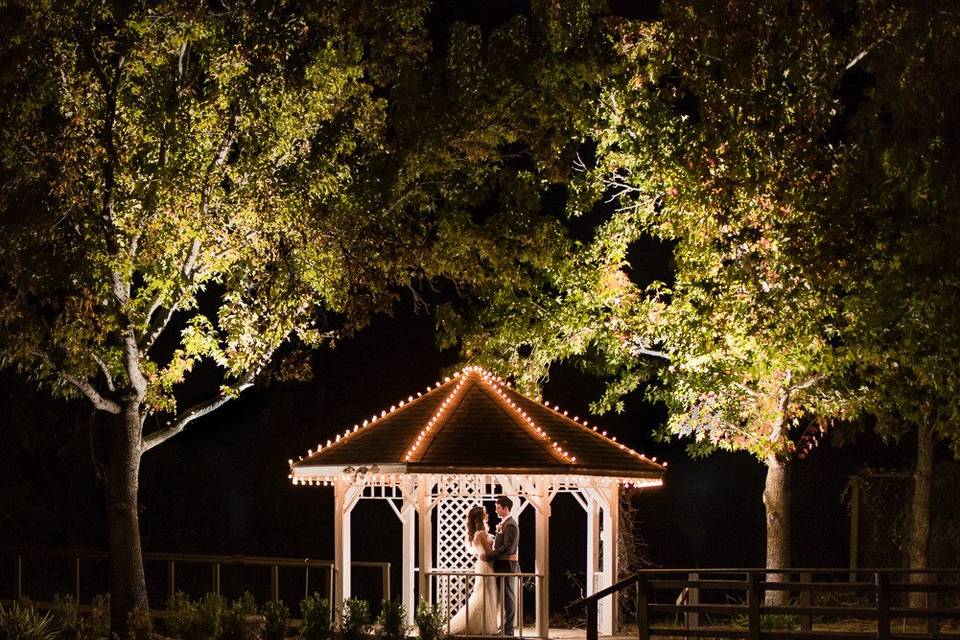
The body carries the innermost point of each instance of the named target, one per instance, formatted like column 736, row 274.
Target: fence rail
column 738, row 595
column 74, row 559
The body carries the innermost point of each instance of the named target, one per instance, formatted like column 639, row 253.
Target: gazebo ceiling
column 474, row 422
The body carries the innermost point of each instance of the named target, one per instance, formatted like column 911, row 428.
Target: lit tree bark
column 128, row 590
column 920, row 508
column 776, row 502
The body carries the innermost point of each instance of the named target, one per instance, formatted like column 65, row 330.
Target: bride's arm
column 484, row 543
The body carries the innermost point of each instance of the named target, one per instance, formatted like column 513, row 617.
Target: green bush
column 241, row 621
column 355, row 619
column 276, row 617
column 316, row 618
column 431, row 621
column 393, row 619
column 199, row 620
column 99, row 624
column 22, row 622
column 140, row 624
column 65, row 616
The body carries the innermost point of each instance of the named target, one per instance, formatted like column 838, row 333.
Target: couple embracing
column 480, row 616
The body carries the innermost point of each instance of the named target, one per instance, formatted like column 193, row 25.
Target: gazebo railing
column 441, row 582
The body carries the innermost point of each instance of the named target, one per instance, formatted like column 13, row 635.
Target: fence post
column 76, row 577
column 883, row 606
column 692, row 618
column 933, row 624
column 275, row 583
column 19, row 576
column 171, row 582
column 216, row 578
column 806, row 620
column 385, row 578
column 643, row 613
column 592, row 622
column 753, row 605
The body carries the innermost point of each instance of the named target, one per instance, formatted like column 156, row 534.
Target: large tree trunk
column 920, row 509
column 128, row 589
column 776, row 502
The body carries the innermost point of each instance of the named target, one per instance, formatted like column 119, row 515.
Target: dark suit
column 506, row 544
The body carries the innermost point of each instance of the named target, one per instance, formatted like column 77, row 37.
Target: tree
column 723, row 137
column 894, row 225
column 190, row 186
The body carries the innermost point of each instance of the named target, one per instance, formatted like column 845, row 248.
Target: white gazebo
column 465, row 440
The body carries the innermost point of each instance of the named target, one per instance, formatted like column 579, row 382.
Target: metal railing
column 75, row 559
column 521, row 580
column 737, row 595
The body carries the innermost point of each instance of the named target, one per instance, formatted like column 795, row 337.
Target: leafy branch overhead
column 186, row 186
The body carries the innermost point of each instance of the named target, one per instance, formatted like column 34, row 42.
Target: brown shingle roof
column 475, row 423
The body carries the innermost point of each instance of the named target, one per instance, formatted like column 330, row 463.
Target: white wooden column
column 609, row 539
column 593, row 541
column 341, row 545
column 542, row 505
column 345, row 497
column 407, row 517
column 425, row 542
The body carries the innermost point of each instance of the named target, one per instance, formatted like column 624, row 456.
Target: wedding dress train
column 480, row 615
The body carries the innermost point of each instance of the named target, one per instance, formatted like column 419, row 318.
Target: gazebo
column 466, row 439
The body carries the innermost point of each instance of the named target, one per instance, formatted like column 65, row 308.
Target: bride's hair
column 474, row 521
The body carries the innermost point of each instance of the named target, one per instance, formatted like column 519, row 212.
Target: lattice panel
column 453, row 554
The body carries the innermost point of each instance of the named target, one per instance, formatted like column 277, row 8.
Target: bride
column 482, row 606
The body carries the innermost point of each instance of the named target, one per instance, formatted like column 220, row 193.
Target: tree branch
column 106, row 372
column 87, row 389
column 809, row 382
column 750, row 391
column 132, row 361
column 198, row 411
column 158, row 324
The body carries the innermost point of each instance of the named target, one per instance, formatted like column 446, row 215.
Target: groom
column 505, row 559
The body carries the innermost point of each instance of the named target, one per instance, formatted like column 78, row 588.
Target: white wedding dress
column 480, row 616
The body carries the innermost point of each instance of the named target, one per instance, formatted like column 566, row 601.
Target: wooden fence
column 823, row 603
column 316, row 575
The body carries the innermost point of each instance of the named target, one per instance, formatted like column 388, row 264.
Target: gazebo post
column 345, row 496
column 542, row 506
column 425, row 540
column 593, row 541
column 407, row 515
column 341, row 545
column 610, row 539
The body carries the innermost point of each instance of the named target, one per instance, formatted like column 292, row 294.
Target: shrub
column 99, row 623
column 240, row 621
column 355, row 619
column 182, row 619
column 275, row 620
column 431, row 621
column 139, row 624
column 22, row 622
column 393, row 619
column 65, row 617
column 210, row 614
column 199, row 620
column 316, row 618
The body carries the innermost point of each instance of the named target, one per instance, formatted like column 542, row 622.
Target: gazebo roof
column 474, row 422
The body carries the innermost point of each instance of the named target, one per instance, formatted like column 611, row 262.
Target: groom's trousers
column 508, row 588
